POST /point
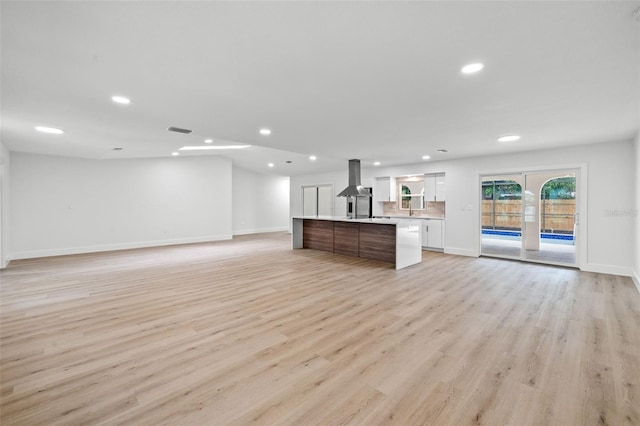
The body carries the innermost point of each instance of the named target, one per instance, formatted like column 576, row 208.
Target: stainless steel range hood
column 355, row 188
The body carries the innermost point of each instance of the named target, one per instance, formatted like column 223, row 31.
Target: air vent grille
column 179, row 130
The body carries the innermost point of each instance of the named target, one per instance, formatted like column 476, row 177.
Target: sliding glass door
column 550, row 217
column 501, row 231
column 530, row 216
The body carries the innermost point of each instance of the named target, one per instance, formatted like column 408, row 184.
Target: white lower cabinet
column 432, row 234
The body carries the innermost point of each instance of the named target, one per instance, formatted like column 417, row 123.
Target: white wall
column 609, row 188
column 636, row 266
column 63, row 205
column 4, row 205
column 260, row 202
column 339, row 181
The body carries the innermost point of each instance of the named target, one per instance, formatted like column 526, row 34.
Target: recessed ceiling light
column 208, row 141
column 508, row 138
column 472, row 68
column 175, row 154
column 120, row 100
column 376, row 163
column 51, row 130
column 288, row 161
column 270, row 164
column 118, row 148
column 265, row 132
column 207, row 147
column 313, row 158
column 443, row 151
column 426, row 157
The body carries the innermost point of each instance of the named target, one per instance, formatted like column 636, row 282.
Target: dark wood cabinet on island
column 318, row 235
column 378, row 242
column 346, row 238
column 396, row 241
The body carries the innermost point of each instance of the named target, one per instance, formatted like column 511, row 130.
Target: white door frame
column 317, row 186
column 581, row 237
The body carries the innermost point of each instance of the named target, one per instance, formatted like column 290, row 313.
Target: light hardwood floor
column 249, row 331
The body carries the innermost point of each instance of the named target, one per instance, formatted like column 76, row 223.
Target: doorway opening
column 317, row 200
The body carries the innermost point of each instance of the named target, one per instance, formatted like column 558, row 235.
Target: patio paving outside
column 557, row 252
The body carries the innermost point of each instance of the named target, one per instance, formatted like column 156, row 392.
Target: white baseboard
column 591, row 267
column 460, row 252
column 635, row 276
column 260, row 231
column 113, row 247
column 607, row 269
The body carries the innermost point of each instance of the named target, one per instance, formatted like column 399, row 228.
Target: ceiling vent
column 179, row 130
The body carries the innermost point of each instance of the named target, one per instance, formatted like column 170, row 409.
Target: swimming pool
column 514, row 235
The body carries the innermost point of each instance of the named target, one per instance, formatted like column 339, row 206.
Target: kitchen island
column 397, row 241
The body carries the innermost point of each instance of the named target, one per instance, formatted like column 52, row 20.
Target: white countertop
column 381, row 220
column 408, row 217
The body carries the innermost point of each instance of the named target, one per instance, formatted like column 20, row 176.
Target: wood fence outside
column 556, row 215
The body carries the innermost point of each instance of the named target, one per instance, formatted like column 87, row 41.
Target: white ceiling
column 369, row 80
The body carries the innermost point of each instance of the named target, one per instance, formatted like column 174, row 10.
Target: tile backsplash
column 432, row 209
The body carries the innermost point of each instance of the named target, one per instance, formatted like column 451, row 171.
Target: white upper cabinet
column 430, row 187
column 440, row 186
column 385, row 189
column 434, row 187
